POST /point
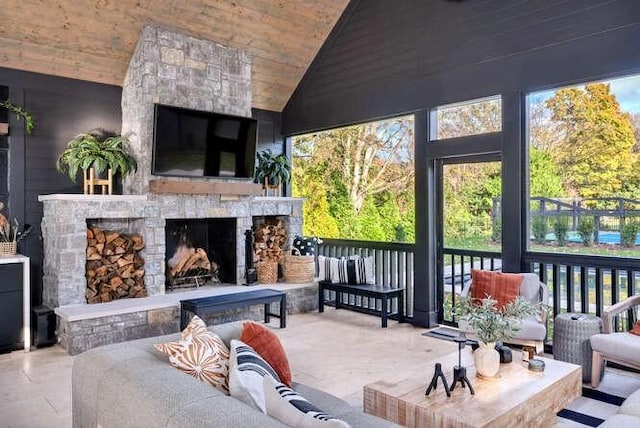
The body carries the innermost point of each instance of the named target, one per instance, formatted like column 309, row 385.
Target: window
column 584, row 168
column 358, row 181
column 473, row 117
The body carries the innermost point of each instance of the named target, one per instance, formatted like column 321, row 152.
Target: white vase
column 486, row 359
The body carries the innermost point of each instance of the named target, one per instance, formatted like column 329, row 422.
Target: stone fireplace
column 172, row 69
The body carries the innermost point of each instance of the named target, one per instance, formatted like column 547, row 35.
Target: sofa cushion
column 531, row 329
column 293, row 409
column 621, row 421
column 502, row 287
column 246, row 370
column 631, row 405
column 623, row 346
column 201, row 354
column 266, row 343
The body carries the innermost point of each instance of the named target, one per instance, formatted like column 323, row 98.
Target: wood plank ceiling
column 94, row 39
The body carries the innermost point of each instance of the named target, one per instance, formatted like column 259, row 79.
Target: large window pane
column 358, row 181
column 585, row 168
column 473, row 117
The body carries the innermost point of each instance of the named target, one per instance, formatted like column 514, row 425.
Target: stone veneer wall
column 81, row 335
column 178, row 70
column 64, row 232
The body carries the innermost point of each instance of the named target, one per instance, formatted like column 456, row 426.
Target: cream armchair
column 533, row 330
column 622, row 347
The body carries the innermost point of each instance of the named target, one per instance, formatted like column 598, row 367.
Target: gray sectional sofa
column 131, row 384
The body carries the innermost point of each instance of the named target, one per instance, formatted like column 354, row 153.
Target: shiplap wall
column 386, row 57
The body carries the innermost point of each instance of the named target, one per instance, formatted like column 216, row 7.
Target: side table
column 571, row 333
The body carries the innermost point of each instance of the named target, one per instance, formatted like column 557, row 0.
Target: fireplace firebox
column 199, row 251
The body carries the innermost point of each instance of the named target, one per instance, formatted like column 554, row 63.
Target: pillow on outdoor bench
column 354, row 270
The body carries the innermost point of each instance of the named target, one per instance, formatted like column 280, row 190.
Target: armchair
column 619, row 347
column 533, row 330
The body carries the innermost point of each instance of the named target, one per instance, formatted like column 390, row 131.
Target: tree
column 595, row 151
column 354, row 167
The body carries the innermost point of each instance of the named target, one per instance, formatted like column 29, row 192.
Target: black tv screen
column 190, row 143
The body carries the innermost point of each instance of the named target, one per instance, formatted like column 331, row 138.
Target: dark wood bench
column 385, row 294
column 208, row 305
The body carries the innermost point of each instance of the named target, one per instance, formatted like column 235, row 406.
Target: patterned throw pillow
column 636, row 329
column 503, row 287
column 306, row 245
column 266, row 343
column 246, row 370
column 290, row 408
column 201, row 354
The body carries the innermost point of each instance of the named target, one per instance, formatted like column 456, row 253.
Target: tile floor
column 338, row 351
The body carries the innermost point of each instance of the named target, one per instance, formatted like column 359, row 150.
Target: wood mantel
column 204, row 188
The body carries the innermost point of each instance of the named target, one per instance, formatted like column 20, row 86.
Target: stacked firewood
column 188, row 261
column 269, row 238
column 114, row 269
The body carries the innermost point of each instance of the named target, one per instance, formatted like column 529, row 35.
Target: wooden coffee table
column 517, row 397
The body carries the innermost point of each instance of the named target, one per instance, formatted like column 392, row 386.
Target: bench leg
column 267, row 315
column 401, row 307
column 283, row 311
column 320, row 298
column 385, row 312
column 183, row 319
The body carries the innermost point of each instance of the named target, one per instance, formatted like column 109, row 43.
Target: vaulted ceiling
column 93, row 39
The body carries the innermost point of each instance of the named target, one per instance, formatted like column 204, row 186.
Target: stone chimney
column 178, row 70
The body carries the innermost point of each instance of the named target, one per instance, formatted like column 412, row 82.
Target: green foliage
column 628, row 234
column 544, row 176
column 274, row 168
column 586, row 227
column 539, row 228
column 560, row 229
column 493, row 323
column 596, row 152
column 358, row 181
column 96, row 149
column 21, row 113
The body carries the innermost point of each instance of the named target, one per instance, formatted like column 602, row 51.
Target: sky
column 626, row 90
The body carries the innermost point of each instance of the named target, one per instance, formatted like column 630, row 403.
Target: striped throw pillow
column 290, row 408
column 352, row 271
column 246, row 371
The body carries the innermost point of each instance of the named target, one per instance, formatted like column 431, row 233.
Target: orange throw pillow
column 503, row 287
column 636, row 329
column 266, row 343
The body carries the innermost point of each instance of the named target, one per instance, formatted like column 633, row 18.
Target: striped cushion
column 290, row 408
column 201, row 354
column 246, row 370
column 352, row 270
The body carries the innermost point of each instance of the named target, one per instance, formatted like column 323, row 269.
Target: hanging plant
column 20, row 113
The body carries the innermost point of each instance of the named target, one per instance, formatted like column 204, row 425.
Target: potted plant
column 272, row 170
column 99, row 151
column 492, row 323
column 20, row 113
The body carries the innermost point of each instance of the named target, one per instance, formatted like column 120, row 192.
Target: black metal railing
column 393, row 265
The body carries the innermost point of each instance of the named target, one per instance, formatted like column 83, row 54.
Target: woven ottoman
column 571, row 333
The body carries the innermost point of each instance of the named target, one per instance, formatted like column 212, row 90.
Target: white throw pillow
column 290, row 408
column 246, row 370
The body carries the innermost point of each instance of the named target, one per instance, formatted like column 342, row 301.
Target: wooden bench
column 208, row 305
column 385, row 294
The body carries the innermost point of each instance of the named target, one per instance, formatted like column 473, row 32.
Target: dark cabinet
column 11, row 307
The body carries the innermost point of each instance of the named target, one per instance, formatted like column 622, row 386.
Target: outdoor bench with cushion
column 354, row 283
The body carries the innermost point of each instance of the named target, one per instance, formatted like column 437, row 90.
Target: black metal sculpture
column 459, row 372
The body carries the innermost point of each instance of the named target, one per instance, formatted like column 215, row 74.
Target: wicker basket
column 267, row 272
column 299, row 269
column 8, row 248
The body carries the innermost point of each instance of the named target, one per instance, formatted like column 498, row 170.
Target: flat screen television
column 191, row 143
